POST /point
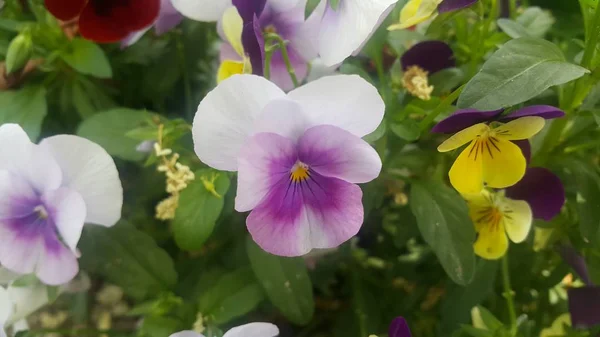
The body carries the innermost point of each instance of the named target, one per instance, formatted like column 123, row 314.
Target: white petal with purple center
column 202, row 10
column 346, row 101
column 226, row 116
column 88, row 169
column 253, row 330
column 187, row 333
column 67, row 210
column 283, row 117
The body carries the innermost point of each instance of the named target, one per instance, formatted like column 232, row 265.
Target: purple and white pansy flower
column 299, row 156
column 48, row 192
column 285, row 18
column 345, row 29
column 246, row 330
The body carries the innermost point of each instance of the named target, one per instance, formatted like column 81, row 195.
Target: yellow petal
column 522, row 128
column 414, row 12
column 491, row 243
column 228, row 69
column 517, row 219
column 503, row 162
column 462, row 137
column 466, row 174
column 232, row 27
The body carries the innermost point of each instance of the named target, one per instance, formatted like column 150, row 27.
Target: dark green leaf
column 588, row 200
column 109, row 128
column 286, row 282
column 408, row 130
column 199, row 210
column 26, row 107
column 446, row 80
column 87, row 58
column 443, row 219
column 520, row 70
column 128, row 258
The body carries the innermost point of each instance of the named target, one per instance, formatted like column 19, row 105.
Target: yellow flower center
column 416, row 83
column 41, row 211
column 299, row 172
column 270, row 29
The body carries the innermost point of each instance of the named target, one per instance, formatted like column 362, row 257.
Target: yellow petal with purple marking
column 462, row 137
column 522, row 128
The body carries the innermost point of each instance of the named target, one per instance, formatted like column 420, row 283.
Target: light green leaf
column 87, row 58
column 286, row 282
column 128, row 258
column 446, row 80
column 443, row 219
column 26, row 107
column 536, row 20
column 408, row 130
column 108, row 129
column 513, row 28
column 199, row 210
column 520, row 70
column 588, row 199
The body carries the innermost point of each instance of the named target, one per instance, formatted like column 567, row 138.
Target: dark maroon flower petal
column 544, row 111
column 399, row 328
column 525, row 147
column 464, row 118
column 432, row 56
column 65, row 9
column 249, row 8
column 452, row 5
column 254, row 43
column 584, row 305
column 543, row 191
column 113, row 20
column 576, row 261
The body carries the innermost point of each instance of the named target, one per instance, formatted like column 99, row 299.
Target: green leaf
column 475, row 332
column 446, row 80
column 408, row 130
column 235, row 294
column 334, row 4
column 443, row 219
column 490, row 321
column 52, row 292
column 513, row 28
column 108, row 129
column 199, row 210
column 25, row 281
column 520, row 70
column 26, row 107
column 128, row 258
column 365, row 308
column 87, row 58
column 157, row 326
column 588, row 199
column 536, row 20
column 286, row 282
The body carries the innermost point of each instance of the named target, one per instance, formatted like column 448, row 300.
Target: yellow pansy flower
column 233, row 24
column 496, row 219
column 414, row 12
column 491, row 159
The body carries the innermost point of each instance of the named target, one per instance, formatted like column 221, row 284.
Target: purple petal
column 295, row 217
column 584, row 305
column 544, row 111
column 452, row 5
column 279, row 72
column 254, row 45
column 249, row 9
column 58, row 265
column 543, row 191
column 432, row 56
column 576, row 261
column 266, row 160
column 525, row 147
column 334, row 152
column 399, row 328
column 464, row 118
column 168, row 18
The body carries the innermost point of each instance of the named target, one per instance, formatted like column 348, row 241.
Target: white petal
column 27, row 300
column 284, row 117
column 14, row 145
column 518, row 219
column 345, row 29
column 346, row 101
column 253, row 330
column 58, row 265
column 6, row 307
column 67, row 210
column 89, row 170
column 225, row 118
column 202, row 10
column 186, row 334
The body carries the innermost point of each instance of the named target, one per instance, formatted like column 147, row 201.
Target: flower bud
column 19, row 52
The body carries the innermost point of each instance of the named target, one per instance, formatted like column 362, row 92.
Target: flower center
column 416, row 83
column 41, row 211
column 270, row 29
column 299, row 172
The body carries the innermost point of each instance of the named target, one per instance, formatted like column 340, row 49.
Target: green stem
column 268, row 56
column 447, row 102
column 513, row 8
column 509, row 296
column 591, row 40
column 286, row 57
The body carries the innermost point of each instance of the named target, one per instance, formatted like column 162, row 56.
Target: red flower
column 106, row 20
